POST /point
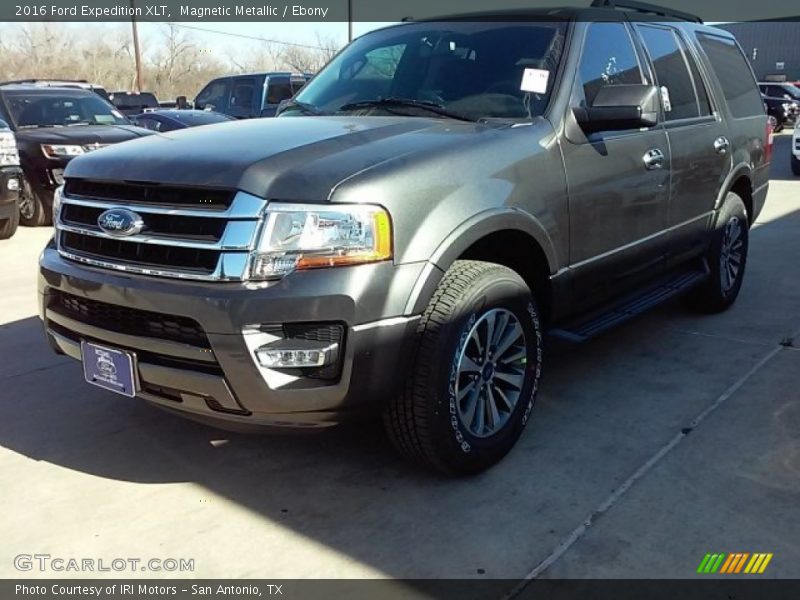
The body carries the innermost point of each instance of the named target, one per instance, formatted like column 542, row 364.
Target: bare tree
column 174, row 61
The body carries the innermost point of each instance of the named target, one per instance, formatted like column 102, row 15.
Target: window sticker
column 104, row 119
column 535, row 80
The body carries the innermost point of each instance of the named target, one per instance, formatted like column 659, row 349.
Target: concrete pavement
column 673, row 436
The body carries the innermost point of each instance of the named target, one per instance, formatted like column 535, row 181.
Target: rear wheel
column 8, row 227
column 795, row 165
column 475, row 371
column 32, row 211
column 727, row 258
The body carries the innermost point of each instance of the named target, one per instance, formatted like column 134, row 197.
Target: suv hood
column 81, row 134
column 288, row 158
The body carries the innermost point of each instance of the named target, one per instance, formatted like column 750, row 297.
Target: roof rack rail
column 644, row 7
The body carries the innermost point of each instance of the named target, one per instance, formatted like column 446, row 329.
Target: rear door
column 698, row 139
column 617, row 202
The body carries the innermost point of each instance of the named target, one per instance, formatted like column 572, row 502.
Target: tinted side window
column 242, row 95
column 608, row 59
column 699, row 85
column 215, row 94
column 734, row 75
column 278, row 90
column 672, row 74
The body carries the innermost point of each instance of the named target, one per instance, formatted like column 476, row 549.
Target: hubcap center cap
column 488, row 371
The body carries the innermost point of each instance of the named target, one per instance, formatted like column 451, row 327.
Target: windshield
column 53, row 110
column 477, row 70
column 791, row 90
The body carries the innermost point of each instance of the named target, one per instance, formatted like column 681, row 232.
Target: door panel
column 618, row 213
column 698, row 172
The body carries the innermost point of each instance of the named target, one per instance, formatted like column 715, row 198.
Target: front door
column 618, row 195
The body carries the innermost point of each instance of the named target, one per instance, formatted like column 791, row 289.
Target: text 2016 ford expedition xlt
column 439, row 197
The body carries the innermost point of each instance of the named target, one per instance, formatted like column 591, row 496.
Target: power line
column 250, row 37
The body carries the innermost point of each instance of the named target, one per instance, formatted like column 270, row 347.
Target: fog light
column 58, row 176
column 296, row 354
column 13, row 184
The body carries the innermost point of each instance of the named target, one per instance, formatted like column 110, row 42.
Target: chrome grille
column 189, row 233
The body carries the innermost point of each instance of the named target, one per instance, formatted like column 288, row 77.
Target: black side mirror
column 620, row 107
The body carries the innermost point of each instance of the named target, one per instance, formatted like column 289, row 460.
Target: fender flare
column 737, row 171
column 464, row 236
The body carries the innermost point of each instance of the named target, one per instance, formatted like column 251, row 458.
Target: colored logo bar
column 736, row 562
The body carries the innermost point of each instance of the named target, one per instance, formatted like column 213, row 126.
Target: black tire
column 720, row 290
column 8, row 227
column 795, row 165
column 424, row 421
column 32, row 210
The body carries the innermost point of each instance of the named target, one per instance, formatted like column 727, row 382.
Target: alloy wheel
column 732, row 255
column 491, row 372
column 27, row 207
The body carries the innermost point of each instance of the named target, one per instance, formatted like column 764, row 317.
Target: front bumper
column 9, row 191
column 222, row 384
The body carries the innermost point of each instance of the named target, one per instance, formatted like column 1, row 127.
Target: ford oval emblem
column 120, row 222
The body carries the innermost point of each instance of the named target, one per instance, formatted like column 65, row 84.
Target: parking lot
column 671, row 437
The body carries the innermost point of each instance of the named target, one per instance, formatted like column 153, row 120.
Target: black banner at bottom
column 389, row 589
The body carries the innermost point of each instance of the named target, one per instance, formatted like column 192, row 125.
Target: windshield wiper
column 391, row 102
column 304, row 107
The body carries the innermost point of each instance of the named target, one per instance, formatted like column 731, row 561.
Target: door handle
column 653, row 159
column 721, row 145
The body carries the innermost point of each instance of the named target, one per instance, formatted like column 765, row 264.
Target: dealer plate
column 108, row 368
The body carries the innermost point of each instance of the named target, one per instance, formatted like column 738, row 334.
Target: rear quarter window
column 734, row 75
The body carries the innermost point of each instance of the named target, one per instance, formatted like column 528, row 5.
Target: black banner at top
column 354, row 10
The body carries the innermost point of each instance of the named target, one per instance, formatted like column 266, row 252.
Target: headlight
column 303, row 236
column 57, row 202
column 8, row 149
column 61, row 150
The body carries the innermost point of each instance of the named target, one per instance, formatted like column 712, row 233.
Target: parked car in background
column 251, row 95
column 53, row 125
column 169, row 120
column 70, row 83
column 795, row 154
column 133, row 103
column 781, row 112
column 787, row 91
column 10, row 175
column 402, row 237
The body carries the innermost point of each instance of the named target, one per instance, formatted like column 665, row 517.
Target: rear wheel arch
column 740, row 183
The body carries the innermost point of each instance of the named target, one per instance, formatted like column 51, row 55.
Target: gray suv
column 441, row 196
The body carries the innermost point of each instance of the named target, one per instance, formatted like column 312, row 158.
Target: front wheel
column 32, row 211
column 795, row 165
column 475, row 372
column 727, row 258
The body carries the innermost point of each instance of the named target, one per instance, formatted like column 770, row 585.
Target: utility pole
column 136, row 54
column 349, row 21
